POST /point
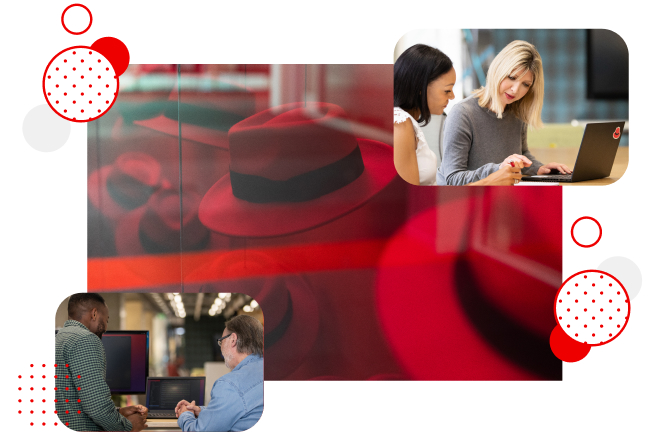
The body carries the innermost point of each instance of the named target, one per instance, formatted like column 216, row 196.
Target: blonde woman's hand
column 509, row 175
column 560, row 167
column 518, row 159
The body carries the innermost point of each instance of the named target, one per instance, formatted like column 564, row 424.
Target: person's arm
column 405, row 152
column 224, row 409
column 458, row 139
column 86, row 360
column 534, row 168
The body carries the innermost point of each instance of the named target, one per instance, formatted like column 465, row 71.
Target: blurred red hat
column 156, row 227
column 453, row 329
column 287, row 300
column 294, row 167
column 125, row 185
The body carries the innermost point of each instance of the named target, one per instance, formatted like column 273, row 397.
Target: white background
column 604, row 398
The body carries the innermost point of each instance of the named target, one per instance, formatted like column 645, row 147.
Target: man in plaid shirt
column 83, row 398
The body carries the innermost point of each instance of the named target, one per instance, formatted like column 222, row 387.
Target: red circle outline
column 629, row 305
column 89, row 14
column 115, row 96
column 572, row 228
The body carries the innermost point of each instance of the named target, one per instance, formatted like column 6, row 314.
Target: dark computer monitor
column 127, row 361
column 607, row 66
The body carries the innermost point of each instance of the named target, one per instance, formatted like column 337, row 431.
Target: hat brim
column 127, row 235
column 216, row 138
column 222, row 212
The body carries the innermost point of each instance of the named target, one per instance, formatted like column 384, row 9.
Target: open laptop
column 595, row 157
column 163, row 394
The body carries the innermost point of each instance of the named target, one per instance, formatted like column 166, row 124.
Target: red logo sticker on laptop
column 617, row 133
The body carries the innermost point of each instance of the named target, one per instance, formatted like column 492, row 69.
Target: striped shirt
column 83, row 398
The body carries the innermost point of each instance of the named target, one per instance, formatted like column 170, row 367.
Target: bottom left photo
column 156, row 362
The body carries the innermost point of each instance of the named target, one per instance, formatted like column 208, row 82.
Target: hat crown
column 290, row 140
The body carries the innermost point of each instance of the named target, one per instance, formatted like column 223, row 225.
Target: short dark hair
column 413, row 71
column 80, row 303
column 250, row 334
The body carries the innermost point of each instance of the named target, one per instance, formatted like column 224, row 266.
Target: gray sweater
column 476, row 142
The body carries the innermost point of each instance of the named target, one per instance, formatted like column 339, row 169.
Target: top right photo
column 511, row 107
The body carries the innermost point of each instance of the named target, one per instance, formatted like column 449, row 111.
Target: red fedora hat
column 456, row 331
column 125, row 185
column 156, row 227
column 294, row 167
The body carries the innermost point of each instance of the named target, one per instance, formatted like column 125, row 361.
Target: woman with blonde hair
column 488, row 130
column 423, row 85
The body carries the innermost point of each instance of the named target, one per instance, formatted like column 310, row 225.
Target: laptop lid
column 598, row 150
column 163, row 394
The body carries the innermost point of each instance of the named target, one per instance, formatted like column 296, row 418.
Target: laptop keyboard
column 549, row 178
column 160, row 415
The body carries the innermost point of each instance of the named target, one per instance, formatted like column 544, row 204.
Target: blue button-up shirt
column 236, row 401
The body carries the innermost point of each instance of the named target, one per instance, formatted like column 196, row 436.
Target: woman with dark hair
column 423, row 85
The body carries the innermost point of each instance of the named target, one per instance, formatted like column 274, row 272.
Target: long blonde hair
column 513, row 58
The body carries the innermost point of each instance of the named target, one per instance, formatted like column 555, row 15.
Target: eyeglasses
column 219, row 341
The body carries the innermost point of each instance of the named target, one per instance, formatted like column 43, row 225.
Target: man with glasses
column 236, row 398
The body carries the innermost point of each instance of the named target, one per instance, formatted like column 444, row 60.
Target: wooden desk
column 162, row 425
column 568, row 155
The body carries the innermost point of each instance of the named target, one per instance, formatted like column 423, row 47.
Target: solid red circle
column 115, row 51
column 566, row 348
column 89, row 15
column 573, row 234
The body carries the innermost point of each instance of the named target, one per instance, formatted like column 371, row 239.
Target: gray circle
column 44, row 130
column 626, row 271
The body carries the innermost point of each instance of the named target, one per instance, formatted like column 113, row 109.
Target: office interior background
column 182, row 330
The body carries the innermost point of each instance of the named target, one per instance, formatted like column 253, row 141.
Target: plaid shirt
column 83, row 398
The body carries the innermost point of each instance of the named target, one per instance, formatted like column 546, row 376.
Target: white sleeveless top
column 426, row 159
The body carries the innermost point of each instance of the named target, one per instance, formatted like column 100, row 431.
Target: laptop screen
column 165, row 393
